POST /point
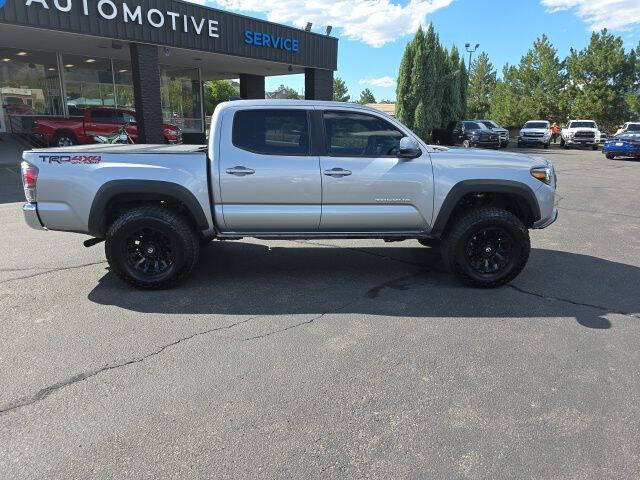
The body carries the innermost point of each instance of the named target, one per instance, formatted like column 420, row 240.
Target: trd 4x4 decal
column 73, row 159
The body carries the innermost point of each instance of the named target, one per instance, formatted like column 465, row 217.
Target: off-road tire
column 459, row 234
column 183, row 241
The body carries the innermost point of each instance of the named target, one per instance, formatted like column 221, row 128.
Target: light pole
column 471, row 51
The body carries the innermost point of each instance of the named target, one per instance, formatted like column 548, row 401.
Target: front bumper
column 545, row 222
column 581, row 141
column 533, row 140
column 31, row 217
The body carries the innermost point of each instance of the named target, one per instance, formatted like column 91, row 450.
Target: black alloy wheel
column 489, row 250
column 149, row 253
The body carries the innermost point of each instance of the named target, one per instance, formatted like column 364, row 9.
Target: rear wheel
column 151, row 247
column 64, row 139
column 486, row 247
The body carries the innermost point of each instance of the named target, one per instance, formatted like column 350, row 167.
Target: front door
column 269, row 181
column 101, row 121
column 366, row 187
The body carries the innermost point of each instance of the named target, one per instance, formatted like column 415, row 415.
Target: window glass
column 88, row 83
column 472, row 125
column 180, row 92
column 29, row 86
column 272, row 132
column 536, row 125
column 126, row 117
column 360, row 135
column 103, row 115
column 123, row 84
column 634, row 127
column 490, row 124
column 583, row 125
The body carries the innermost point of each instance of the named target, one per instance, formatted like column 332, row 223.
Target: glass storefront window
column 29, row 87
column 123, row 84
column 88, row 83
column 180, row 92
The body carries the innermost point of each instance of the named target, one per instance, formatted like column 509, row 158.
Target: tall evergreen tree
column 405, row 102
column 481, row 83
column 366, row 96
column 600, row 79
column 456, row 109
column 340, row 91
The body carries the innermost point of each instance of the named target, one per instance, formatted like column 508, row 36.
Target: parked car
column 580, row 133
column 503, row 133
column 65, row 132
column 622, row 145
column 535, row 132
column 474, row 134
column 629, row 127
column 279, row 169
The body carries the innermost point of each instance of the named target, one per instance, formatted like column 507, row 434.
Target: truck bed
column 126, row 149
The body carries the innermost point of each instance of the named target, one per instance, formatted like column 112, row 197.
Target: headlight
column 544, row 174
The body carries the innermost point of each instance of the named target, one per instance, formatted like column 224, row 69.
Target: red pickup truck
column 64, row 132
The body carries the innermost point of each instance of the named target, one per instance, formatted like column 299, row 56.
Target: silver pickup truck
column 280, row 169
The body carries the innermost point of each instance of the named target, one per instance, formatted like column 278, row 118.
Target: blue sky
column 373, row 33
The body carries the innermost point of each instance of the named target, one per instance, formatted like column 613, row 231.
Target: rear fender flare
column 145, row 190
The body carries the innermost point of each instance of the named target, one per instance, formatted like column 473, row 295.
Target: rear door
column 269, row 181
column 366, row 187
column 101, row 121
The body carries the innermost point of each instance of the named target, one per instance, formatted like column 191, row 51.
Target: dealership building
column 59, row 57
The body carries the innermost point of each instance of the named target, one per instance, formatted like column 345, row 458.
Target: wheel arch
column 517, row 195
column 116, row 195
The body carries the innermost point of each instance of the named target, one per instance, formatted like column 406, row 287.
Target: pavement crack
column 47, row 391
column 46, row 272
column 573, row 302
column 291, row 327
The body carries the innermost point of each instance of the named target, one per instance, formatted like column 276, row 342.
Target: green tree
column 536, row 88
column 217, row 92
column 366, row 97
column 340, row 91
column 482, row 80
column 405, row 100
column 601, row 77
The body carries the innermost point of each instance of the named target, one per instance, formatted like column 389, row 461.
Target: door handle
column 337, row 172
column 240, row 171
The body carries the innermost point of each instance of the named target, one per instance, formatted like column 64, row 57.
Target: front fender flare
column 460, row 189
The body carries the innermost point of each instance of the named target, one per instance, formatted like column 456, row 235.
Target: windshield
column 536, row 125
column 582, row 125
column 473, row 126
column 490, row 124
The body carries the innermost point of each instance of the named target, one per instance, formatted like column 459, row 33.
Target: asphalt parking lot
column 330, row 359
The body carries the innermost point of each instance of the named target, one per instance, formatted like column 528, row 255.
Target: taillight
column 29, row 179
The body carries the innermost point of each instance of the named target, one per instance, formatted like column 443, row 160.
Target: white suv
column 580, row 132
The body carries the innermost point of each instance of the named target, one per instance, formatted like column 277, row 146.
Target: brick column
column 318, row 84
column 146, row 89
column 251, row 86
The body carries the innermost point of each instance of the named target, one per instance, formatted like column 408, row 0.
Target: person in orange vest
column 555, row 132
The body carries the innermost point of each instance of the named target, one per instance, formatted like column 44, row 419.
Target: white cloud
column 599, row 14
column 378, row 82
column 374, row 22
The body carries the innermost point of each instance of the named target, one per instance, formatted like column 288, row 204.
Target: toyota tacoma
column 282, row 169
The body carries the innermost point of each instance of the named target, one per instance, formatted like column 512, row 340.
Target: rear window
column 272, row 132
column 104, row 116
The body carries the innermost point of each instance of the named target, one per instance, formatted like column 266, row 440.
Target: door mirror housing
column 409, row 148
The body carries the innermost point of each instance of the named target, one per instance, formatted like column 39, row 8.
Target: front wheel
column 151, row 247
column 610, row 156
column 546, row 146
column 595, row 147
column 486, row 247
column 466, row 144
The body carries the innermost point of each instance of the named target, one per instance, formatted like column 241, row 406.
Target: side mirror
column 409, row 148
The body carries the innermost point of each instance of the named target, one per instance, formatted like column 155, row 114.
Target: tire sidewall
column 56, row 141
column 520, row 244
